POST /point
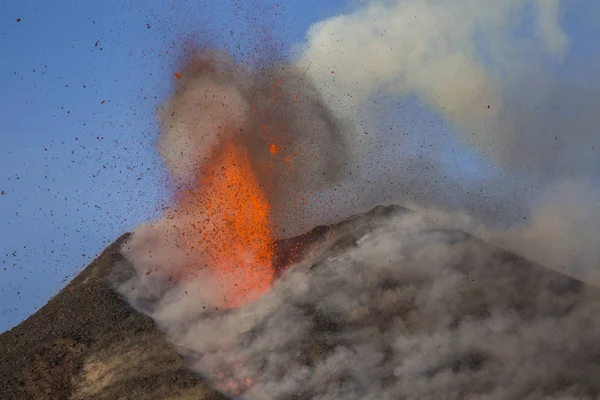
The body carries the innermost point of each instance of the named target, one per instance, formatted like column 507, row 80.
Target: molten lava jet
column 231, row 224
column 245, row 148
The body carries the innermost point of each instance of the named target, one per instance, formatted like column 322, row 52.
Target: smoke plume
column 296, row 144
column 511, row 84
column 465, row 59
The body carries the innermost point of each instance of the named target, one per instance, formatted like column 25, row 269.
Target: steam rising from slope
column 392, row 307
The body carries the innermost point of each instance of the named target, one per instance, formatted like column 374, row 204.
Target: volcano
column 87, row 343
column 382, row 305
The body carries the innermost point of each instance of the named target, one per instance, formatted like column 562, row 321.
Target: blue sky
column 80, row 84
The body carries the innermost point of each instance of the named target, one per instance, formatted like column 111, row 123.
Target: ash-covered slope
column 88, row 343
column 390, row 306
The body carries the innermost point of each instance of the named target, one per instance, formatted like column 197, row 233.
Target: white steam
column 564, row 232
column 393, row 307
column 502, row 74
column 458, row 57
column 561, row 233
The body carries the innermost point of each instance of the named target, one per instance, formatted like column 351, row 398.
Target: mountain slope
column 391, row 306
column 88, row 343
column 386, row 306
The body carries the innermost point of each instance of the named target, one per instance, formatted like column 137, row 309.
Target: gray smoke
column 218, row 99
column 391, row 306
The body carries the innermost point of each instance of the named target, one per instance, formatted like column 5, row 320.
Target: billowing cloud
column 484, row 66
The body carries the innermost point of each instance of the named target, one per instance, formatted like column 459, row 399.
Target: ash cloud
column 217, row 98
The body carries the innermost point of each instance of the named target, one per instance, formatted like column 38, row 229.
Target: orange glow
column 178, row 75
column 231, row 225
column 273, row 149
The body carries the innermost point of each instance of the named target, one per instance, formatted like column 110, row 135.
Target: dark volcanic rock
column 88, row 343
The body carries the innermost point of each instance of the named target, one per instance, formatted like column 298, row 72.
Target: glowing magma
column 231, row 225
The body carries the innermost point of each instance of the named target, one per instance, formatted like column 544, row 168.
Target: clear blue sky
column 80, row 81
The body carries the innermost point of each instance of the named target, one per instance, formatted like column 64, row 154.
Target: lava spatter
column 232, row 226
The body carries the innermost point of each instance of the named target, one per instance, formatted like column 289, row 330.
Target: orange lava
column 231, row 225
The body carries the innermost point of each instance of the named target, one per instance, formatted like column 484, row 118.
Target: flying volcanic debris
column 244, row 148
column 388, row 305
